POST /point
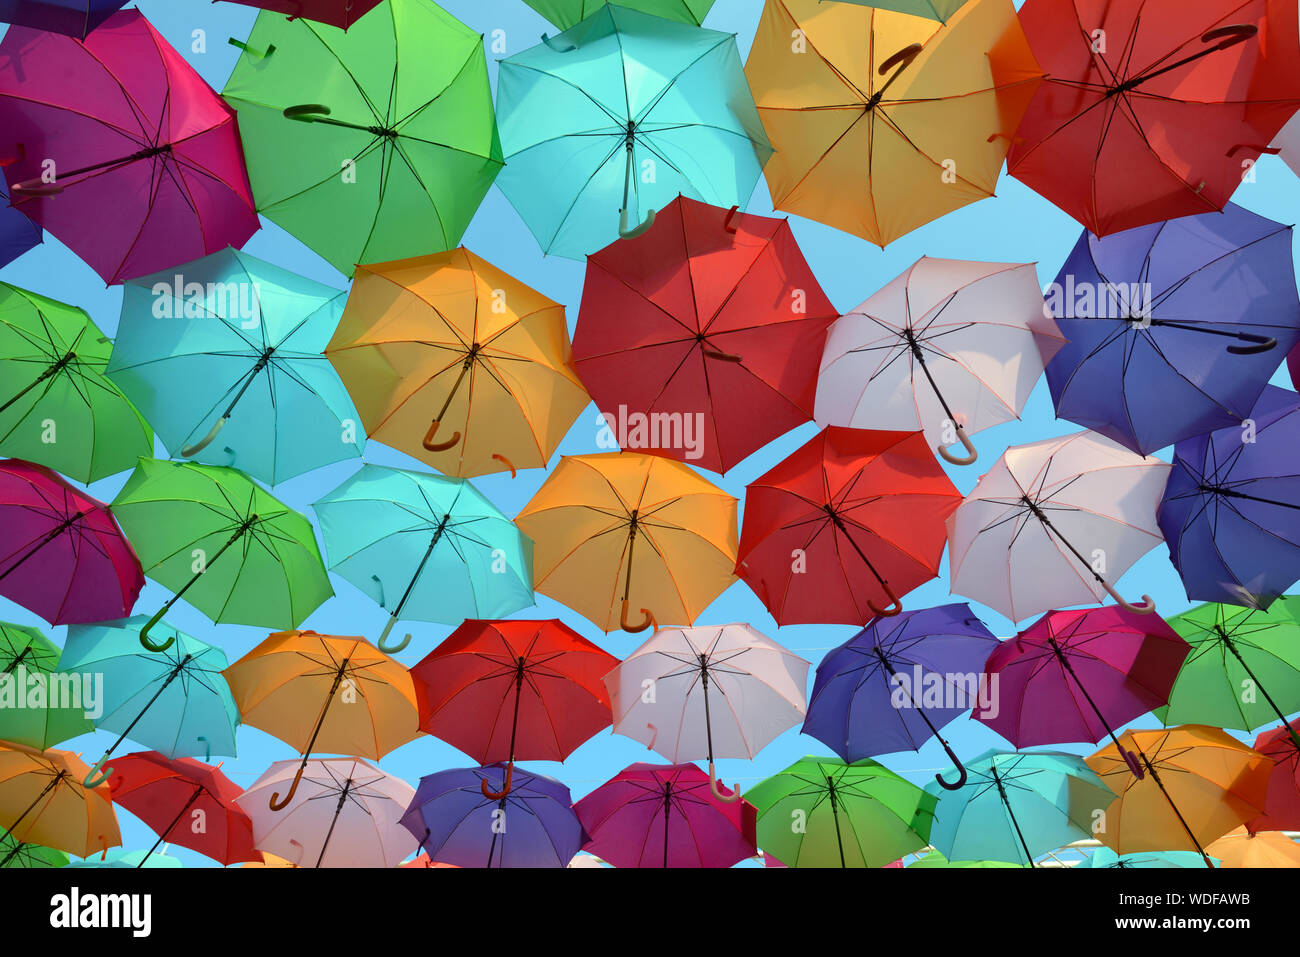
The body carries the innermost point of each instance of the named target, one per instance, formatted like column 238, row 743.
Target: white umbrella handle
column 971, row 453
column 1148, row 603
column 731, row 798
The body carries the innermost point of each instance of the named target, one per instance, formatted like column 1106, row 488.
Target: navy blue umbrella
column 17, row 233
column 76, row 18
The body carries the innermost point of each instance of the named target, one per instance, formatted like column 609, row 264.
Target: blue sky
column 1017, row 226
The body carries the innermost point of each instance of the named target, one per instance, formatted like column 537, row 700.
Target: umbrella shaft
column 1258, row 684
column 50, row 371
column 48, row 788
column 176, row 820
column 1155, row 776
column 419, row 569
column 920, row 358
column 180, row 666
column 840, row 526
column 13, row 852
column 338, row 809
column 13, row 665
column 1069, row 669
column 1002, row 794
column 121, row 160
column 249, row 379
column 455, row 386
column 835, row 816
column 244, row 527
column 49, row 536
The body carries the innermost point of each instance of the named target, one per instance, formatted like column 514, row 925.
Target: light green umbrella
column 939, row 10
column 565, row 13
column 24, row 654
column 935, row 859
column 15, row 854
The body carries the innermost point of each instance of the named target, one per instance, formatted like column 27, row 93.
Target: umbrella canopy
column 664, row 815
column 566, row 13
column 457, row 364
column 337, row 13
column 76, row 18
column 381, row 169
column 700, row 338
column 128, row 859
column 940, row 10
column 1282, row 803
column 62, row 555
column 624, row 104
column 29, row 855
column 225, row 359
column 43, row 801
column 1104, row 857
column 883, row 121
column 1241, row 848
column 587, row 518
column 845, row 526
column 1174, row 329
column 49, row 720
column 147, row 167
column 17, row 233
column 935, row 859
column 1231, row 510
column 1152, row 110
column 1287, row 144
column 1053, row 523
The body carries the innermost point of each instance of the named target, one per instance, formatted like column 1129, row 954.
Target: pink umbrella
column 120, row 149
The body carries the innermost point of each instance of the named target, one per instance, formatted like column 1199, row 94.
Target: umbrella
column 450, row 344
column 699, row 339
column 949, row 347
column 1231, row 510
column 514, row 690
column 1282, row 804
column 30, row 855
column 131, row 859
column 894, row 684
column 381, row 169
column 76, row 18
column 883, row 121
column 660, row 695
column 1172, row 327
column 613, row 118
column 822, row 812
column 1055, row 523
column 123, row 152
column 230, row 346
column 566, row 13
column 532, row 826
column 1241, row 848
column 347, row 814
column 1152, row 110
column 61, row 553
column 940, row 10
column 1016, row 806
column 26, row 654
column 428, row 547
column 664, row 815
column 337, row 13
column 17, row 233
column 304, row 688
column 1287, row 144
column 935, row 859
column 852, row 518
column 183, row 518
column 163, row 792
column 1105, row 857
column 585, row 522
column 43, row 801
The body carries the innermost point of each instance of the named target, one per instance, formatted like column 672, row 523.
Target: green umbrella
column 15, row 854
column 57, row 408
column 939, row 10
column 26, row 718
column 359, row 166
column 935, row 859
column 565, row 13
column 232, row 549
column 822, row 812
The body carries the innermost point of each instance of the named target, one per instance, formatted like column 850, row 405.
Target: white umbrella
column 1288, row 143
column 1053, row 523
column 716, row 691
column 949, row 347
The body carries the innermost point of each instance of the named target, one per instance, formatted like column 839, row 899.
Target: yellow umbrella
column 42, row 801
column 457, row 364
column 625, row 530
column 1240, row 848
column 882, row 121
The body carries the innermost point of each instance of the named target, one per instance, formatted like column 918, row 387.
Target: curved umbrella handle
column 383, row 639
column 241, row 45
column 723, row 356
column 961, row 770
column 306, row 112
column 971, row 453
column 498, row 795
column 276, row 803
column 903, row 56
column 144, row 634
column 1257, row 345
column 207, row 750
column 1230, row 35
column 727, row 223
column 731, row 798
column 635, row 231
column 1133, row 764
column 98, row 775
column 34, row 187
column 894, row 607
column 557, row 45
column 192, row 450
column 628, row 626
column 1147, row 607
column 433, row 446
column 507, row 463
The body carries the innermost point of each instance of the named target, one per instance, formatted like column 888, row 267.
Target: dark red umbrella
column 338, row 13
column 1282, row 805
column 701, row 338
column 845, row 526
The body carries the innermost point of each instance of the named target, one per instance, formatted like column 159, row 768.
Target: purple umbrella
column 877, row 692
column 76, row 18
column 17, row 233
column 1231, row 508
column 532, row 826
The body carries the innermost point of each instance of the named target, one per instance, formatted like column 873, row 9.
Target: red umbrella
column 163, row 792
column 1152, row 109
column 514, row 690
column 1282, row 805
column 701, row 338
column 850, row 522
column 338, row 13
column 62, row 555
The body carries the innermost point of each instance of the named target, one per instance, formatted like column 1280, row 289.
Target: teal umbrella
column 224, row 358
column 613, row 118
column 35, row 710
column 1105, row 857
column 122, row 858
column 425, row 547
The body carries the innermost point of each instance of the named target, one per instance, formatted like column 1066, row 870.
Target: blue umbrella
column 76, row 18
column 1105, row 857
column 17, row 233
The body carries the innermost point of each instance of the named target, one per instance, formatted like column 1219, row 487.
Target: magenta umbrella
column 120, row 149
column 665, row 815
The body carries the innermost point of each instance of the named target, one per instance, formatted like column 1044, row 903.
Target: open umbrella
column 1282, row 803
column 935, row 859
column 627, row 105
column 940, row 10
column 76, row 18
column 1241, row 848
column 1104, row 857
column 43, row 802
column 17, row 233
column 24, row 654
column 337, row 13
column 16, row 854
column 121, row 150
column 566, row 13
column 121, row 859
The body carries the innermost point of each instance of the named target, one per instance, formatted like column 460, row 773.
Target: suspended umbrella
column 43, row 802
column 336, row 13
column 1055, row 523
column 29, row 855
column 62, row 554
column 18, row 234
column 76, row 18
column 1152, row 110
column 1172, row 328
column 883, row 121
column 566, row 13
column 1282, row 804
column 848, row 815
column 935, row 859
column 24, row 654
column 121, row 150
column 940, row 10
column 1287, row 144
column 514, row 690
column 348, row 813
column 426, row 547
column 184, row 518
column 665, row 815
column 731, row 285
column 624, row 104
column 1104, row 857
column 660, row 695
column 1231, row 510
column 381, row 169
column 532, row 826
column 228, row 350
column 894, row 684
column 852, row 518
column 949, row 347
column 588, row 517
column 1241, row 848
column 457, row 364
column 322, row 693
column 129, row 859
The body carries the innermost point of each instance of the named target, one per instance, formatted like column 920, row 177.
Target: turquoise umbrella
column 224, row 358
column 122, row 858
column 1105, row 857
column 613, row 118
column 425, row 547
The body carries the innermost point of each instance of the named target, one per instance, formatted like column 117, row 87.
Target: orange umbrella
column 43, row 801
column 1240, row 848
